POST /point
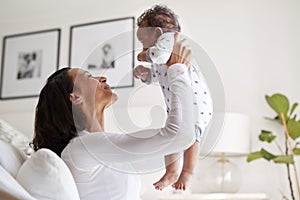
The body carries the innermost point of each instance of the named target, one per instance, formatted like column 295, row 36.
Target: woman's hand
column 181, row 52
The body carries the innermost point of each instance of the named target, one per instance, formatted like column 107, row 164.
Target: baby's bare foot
column 168, row 178
column 183, row 180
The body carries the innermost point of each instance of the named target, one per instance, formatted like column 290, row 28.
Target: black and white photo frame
column 105, row 48
column 27, row 60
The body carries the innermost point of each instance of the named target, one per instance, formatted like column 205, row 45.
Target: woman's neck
column 100, row 118
column 96, row 120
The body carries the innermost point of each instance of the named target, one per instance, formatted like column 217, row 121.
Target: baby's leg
column 189, row 162
column 171, row 174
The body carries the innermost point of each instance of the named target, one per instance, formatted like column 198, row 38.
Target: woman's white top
column 105, row 165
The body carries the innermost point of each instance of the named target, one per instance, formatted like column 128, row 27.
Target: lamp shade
column 234, row 139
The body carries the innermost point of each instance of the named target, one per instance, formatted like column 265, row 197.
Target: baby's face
column 148, row 38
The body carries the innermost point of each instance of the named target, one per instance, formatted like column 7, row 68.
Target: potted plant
column 291, row 126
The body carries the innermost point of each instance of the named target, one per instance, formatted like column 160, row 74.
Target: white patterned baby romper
column 158, row 55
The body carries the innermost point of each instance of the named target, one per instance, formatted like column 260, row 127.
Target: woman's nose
column 102, row 79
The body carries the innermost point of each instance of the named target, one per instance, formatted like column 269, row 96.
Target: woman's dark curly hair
column 159, row 16
column 54, row 119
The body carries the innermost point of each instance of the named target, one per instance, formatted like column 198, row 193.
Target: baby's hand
column 140, row 72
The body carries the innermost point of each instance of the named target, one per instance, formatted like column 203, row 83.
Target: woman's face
column 92, row 90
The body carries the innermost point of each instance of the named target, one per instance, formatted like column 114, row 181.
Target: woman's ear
column 158, row 31
column 75, row 99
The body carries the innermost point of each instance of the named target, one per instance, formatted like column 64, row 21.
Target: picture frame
column 27, row 60
column 105, row 48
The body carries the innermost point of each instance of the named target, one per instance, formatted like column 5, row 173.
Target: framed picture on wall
column 105, row 48
column 27, row 60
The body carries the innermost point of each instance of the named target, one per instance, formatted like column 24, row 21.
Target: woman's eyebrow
column 86, row 73
column 81, row 74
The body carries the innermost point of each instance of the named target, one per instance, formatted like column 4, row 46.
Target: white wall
column 254, row 44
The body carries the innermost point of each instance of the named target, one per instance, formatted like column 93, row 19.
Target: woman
column 69, row 121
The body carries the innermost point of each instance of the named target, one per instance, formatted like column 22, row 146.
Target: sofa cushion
column 10, row 188
column 10, row 135
column 45, row 176
column 11, row 158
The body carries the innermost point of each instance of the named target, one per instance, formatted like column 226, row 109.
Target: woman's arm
column 177, row 135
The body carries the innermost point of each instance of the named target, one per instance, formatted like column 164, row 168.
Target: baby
column 156, row 29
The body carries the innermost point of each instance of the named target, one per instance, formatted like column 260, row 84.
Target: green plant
column 286, row 117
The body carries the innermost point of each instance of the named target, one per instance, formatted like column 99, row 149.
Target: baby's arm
column 147, row 75
column 142, row 73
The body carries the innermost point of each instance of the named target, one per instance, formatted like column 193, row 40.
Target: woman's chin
column 113, row 99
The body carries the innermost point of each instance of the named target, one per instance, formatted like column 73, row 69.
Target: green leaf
column 294, row 128
column 294, row 106
column 267, row 155
column 266, row 136
column 296, row 151
column 275, row 119
column 285, row 159
column 279, row 103
column 253, row 156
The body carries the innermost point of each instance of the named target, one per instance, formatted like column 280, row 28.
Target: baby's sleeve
column 152, row 74
column 160, row 53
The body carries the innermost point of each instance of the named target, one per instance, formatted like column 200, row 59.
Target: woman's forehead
column 75, row 72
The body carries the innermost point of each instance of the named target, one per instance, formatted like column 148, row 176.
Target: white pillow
column 45, row 176
column 10, row 188
column 10, row 135
column 11, row 158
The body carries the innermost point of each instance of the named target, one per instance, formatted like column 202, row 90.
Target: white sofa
column 41, row 176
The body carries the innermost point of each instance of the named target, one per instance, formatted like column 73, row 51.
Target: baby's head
column 159, row 16
column 154, row 22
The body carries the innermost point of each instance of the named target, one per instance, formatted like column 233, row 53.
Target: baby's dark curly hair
column 159, row 16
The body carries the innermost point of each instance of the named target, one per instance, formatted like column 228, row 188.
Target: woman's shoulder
column 99, row 135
